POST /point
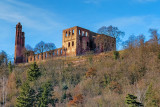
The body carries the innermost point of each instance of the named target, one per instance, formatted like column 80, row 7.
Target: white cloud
column 134, row 24
column 33, row 17
column 147, row 21
column 38, row 24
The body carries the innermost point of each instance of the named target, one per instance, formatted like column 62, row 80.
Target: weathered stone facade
column 76, row 41
column 19, row 44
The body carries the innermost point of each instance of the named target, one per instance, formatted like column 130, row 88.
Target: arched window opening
column 53, row 53
column 72, row 43
column 83, row 33
column 68, row 44
column 72, row 32
column 86, row 33
column 61, row 51
column 49, row 54
column 38, row 56
column 98, row 46
column 45, row 55
column 66, row 34
column 57, row 52
column 79, row 32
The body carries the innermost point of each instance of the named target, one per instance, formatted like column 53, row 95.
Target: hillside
column 101, row 80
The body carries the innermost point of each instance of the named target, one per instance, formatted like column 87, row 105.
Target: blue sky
column 45, row 19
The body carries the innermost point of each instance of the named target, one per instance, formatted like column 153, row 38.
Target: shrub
column 150, row 97
column 78, row 99
column 91, row 73
column 116, row 55
column 131, row 101
column 10, row 67
column 116, row 87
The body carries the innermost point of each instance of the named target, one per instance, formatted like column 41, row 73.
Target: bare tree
column 141, row 40
column 155, row 40
column 27, row 50
column 43, row 47
column 3, row 58
column 40, row 47
column 3, row 81
column 155, row 37
column 112, row 31
column 130, row 43
column 49, row 47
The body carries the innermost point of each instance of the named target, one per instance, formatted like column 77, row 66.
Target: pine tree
column 131, row 101
column 26, row 97
column 44, row 95
column 64, row 89
column 33, row 72
column 10, row 67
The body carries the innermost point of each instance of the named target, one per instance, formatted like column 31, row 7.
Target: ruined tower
column 79, row 41
column 19, row 44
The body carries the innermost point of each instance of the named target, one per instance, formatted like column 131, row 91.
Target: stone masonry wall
column 77, row 41
column 46, row 55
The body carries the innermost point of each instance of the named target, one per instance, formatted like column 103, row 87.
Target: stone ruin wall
column 83, row 40
column 108, row 44
column 46, row 55
column 69, row 42
column 76, row 41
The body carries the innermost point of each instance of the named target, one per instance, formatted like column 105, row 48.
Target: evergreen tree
column 131, row 101
column 10, row 67
column 64, row 88
column 33, row 72
column 116, row 55
column 44, row 95
column 26, row 97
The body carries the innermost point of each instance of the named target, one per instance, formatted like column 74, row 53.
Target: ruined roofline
column 79, row 28
column 96, row 34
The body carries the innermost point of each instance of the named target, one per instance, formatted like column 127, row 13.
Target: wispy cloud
column 100, row 1
column 134, row 24
column 147, row 21
column 33, row 17
column 93, row 1
column 38, row 24
column 143, row 1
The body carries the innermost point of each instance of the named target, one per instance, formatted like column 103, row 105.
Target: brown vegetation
column 108, row 81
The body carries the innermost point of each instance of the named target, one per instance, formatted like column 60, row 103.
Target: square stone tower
column 76, row 41
column 19, row 44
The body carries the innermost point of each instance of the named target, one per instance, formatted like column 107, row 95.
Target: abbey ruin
column 76, row 41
